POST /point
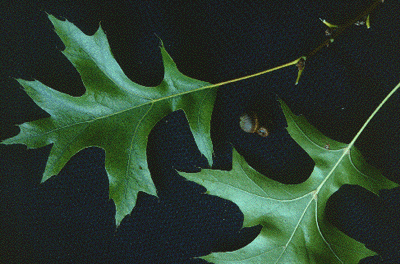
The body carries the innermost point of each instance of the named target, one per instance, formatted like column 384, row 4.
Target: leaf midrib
column 152, row 102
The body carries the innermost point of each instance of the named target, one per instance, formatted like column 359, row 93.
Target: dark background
column 69, row 218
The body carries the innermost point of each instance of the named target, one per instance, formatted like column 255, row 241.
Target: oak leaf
column 295, row 229
column 114, row 113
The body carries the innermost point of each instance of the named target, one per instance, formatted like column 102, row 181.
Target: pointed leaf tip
column 295, row 229
column 115, row 114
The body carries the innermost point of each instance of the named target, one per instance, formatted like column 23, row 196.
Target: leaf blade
column 114, row 114
column 294, row 227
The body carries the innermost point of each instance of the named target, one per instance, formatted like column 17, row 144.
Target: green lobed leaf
column 115, row 114
column 294, row 226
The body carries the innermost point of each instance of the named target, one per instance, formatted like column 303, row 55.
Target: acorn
column 250, row 123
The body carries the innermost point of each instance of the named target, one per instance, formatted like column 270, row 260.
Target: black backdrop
column 69, row 218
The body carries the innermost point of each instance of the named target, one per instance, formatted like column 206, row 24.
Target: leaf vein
column 294, row 231
column 322, row 235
